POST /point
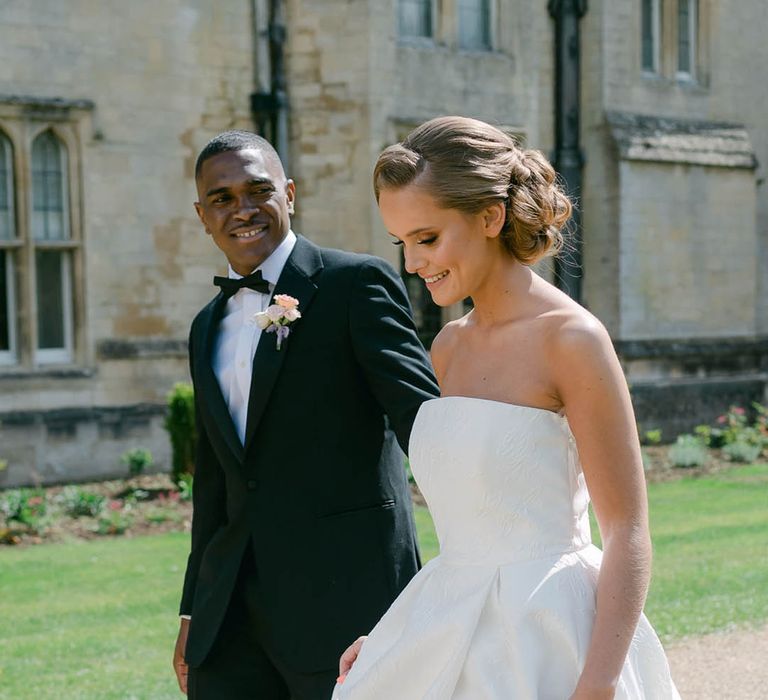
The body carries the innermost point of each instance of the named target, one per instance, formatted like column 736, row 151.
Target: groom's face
column 245, row 203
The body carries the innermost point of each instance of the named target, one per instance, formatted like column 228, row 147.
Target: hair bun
column 537, row 209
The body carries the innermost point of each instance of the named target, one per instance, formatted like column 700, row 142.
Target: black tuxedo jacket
column 318, row 490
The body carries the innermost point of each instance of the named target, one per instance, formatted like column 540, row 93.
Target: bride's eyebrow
column 416, row 231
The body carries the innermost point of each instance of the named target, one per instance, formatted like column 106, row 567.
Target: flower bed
column 140, row 505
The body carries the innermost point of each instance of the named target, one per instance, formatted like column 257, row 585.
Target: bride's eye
column 396, row 242
column 427, row 241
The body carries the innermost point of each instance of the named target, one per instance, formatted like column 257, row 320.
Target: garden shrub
column 742, row 451
column 137, row 460
column 185, row 485
column 180, row 424
column 26, row 507
column 78, row 502
column 114, row 519
column 688, row 451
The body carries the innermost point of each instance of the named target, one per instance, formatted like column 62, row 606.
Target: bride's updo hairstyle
column 468, row 165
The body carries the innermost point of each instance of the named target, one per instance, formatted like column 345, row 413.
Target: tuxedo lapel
column 211, row 391
column 296, row 281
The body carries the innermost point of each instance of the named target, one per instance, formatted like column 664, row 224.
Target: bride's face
column 449, row 249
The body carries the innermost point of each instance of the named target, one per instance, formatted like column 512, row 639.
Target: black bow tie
column 253, row 281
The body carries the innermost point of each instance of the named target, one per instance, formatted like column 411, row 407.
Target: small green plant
column 3, row 464
column 735, row 426
column 136, row 495
column 711, row 437
column 160, row 514
column 180, row 424
column 652, row 437
column 185, row 484
column 114, row 519
column 688, row 451
column 25, row 506
column 742, row 451
column 78, row 502
column 137, row 460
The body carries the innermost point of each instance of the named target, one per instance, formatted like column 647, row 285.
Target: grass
column 710, row 538
column 91, row 620
column 96, row 620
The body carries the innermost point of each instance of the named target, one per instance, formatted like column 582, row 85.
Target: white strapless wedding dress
column 505, row 612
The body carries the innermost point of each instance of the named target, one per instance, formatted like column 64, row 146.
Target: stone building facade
column 103, row 107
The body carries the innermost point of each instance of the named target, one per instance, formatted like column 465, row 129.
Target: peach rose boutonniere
column 278, row 317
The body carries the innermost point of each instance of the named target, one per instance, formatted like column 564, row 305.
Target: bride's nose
column 413, row 259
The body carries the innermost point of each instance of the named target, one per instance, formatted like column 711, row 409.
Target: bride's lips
column 432, row 280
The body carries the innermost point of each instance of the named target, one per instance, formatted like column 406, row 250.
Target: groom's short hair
column 236, row 140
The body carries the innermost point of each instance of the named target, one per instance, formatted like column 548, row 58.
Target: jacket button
column 252, row 484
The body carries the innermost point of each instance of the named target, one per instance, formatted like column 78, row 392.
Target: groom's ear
column 290, row 193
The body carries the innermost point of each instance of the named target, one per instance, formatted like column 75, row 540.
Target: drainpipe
column 568, row 157
column 269, row 102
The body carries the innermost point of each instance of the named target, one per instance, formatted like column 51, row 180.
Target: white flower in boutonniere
column 278, row 317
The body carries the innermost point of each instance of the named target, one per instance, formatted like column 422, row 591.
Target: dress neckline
column 517, row 406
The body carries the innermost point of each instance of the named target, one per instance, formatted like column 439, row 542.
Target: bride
column 534, row 421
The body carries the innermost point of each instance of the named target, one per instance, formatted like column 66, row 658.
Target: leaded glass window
column 7, row 227
column 53, row 256
column 415, row 18
column 475, row 24
column 686, row 37
column 8, row 312
column 49, row 214
column 651, row 33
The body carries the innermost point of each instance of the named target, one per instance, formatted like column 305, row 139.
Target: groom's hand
column 179, row 665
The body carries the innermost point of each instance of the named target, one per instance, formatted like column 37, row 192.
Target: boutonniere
column 278, row 317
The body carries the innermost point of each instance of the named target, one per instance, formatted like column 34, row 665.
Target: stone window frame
column 22, row 120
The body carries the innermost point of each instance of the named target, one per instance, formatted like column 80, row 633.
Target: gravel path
column 722, row 666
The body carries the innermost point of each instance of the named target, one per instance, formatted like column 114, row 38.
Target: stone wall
column 162, row 78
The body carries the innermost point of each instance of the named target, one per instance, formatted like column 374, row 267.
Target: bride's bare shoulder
column 444, row 345
column 573, row 333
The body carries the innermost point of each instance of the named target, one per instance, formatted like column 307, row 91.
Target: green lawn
column 91, row 620
column 96, row 620
column 710, row 541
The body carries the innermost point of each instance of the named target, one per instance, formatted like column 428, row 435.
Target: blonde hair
column 468, row 165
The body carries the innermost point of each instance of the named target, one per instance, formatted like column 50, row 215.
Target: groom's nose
column 246, row 209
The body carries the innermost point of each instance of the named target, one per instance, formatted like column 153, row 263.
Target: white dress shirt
column 238, row 335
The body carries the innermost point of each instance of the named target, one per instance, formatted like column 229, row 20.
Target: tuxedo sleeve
column 208, row 502
column 387, row 347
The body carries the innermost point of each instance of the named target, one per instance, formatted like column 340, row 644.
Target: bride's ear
column 493, row 219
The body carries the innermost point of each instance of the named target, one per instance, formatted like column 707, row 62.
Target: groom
column 303, row 532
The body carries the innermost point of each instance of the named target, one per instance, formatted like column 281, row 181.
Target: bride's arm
column 592, row 387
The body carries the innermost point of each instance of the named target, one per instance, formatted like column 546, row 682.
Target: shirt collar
column 273, row 266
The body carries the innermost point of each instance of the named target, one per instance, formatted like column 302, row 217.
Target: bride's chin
column 443, row 301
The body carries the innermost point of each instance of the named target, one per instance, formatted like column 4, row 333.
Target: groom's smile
column 245, row 203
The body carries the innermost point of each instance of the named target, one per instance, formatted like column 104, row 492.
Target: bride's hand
column 349, row 656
